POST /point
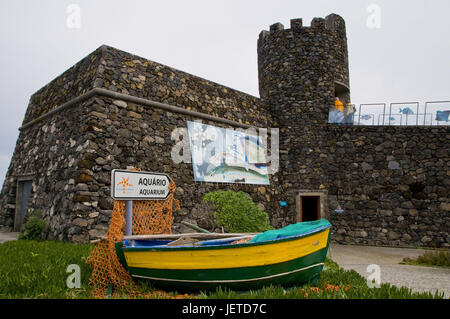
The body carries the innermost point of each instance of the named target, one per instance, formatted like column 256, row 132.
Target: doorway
column 23, row 194
column 309, row 208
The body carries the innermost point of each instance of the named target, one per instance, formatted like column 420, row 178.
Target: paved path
column 418, row 278
column 6, row 236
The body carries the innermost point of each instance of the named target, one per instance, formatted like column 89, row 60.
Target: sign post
column 128, row 218
column 134, row 185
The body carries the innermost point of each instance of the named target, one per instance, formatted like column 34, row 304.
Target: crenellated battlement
column 332, row 22
column 319, row 50
column 304, row 63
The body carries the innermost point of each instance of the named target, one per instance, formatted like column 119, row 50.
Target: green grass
column 37, row 269
column 430, row 258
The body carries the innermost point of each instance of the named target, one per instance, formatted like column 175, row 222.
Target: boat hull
column 286, row 262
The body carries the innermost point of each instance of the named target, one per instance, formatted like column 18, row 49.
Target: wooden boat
column 289, row 259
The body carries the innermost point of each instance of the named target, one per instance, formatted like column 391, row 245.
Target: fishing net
column 149, row 217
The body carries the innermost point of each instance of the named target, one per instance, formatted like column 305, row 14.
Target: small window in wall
column 341, row 111
column 342, row 92
column 24, row 188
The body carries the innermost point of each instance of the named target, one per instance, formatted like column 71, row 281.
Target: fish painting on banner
column 226, row 156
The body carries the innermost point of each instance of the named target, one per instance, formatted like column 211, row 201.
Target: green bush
column 237, row 212
column 431, row 258
column 34, row 227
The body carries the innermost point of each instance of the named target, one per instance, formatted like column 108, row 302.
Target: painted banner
column 226, row 156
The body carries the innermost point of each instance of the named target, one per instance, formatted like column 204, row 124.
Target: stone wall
column 130, row 74
column 129, row 134
column 394, row 183
column 298, row 68
column 70, row 156
column 74, row 82
column 48, row 155
column 123, row 72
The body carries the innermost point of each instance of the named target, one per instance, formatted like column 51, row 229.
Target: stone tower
column 301, row 71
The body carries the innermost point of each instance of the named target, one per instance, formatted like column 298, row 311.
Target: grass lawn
column 32, row 269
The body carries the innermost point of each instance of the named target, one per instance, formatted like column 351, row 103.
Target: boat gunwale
column 228, row 246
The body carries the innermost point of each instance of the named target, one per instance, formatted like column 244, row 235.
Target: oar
column 195, row 227
column 193, row 235
column 225, row 239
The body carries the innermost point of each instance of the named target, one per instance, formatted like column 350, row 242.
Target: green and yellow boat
column 293, row 255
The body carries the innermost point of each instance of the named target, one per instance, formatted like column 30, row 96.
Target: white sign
column 134, row 185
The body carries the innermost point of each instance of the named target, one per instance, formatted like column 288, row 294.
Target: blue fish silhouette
column 442, row 116
column 366, row 117
column 392, row 118
column 406, row 111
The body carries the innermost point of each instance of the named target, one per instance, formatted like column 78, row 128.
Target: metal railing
column 435, row 113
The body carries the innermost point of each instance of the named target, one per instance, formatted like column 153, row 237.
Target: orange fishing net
column 149, row 217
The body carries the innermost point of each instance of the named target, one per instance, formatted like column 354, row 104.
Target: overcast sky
column 402, row 56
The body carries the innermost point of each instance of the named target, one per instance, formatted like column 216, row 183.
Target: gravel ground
column 6, row 236
column 418, row 278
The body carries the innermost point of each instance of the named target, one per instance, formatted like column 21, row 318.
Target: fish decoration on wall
column 365, row 117
column 442, row 116
column 406, row 111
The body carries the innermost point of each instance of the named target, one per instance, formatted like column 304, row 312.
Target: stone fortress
column 378, row 185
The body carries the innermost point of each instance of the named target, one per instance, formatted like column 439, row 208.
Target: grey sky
column 407, row 59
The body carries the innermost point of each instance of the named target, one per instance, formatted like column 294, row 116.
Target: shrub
column 430, row 258
column 34, row 227
column 237, row 212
